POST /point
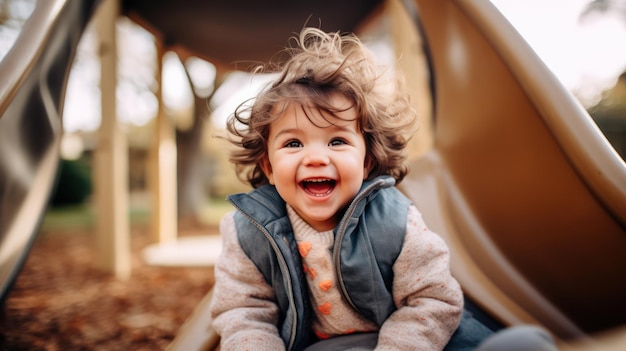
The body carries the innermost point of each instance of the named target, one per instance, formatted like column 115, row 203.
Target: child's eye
column 293, row 143
column 337, row 142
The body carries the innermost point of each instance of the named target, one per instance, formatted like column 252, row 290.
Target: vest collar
column 264, row 204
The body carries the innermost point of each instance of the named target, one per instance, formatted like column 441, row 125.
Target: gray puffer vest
column 368, row 240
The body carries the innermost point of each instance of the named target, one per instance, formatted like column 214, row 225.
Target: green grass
column 84, row 216
column 68, row 217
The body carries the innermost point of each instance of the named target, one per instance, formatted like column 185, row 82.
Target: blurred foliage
column 610, row 115
column 73, row 183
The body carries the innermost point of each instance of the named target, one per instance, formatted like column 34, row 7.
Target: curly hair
column 320, row 65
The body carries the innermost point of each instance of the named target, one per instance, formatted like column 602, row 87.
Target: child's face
column 318, row 167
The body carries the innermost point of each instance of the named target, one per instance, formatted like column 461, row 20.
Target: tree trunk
column 191, row 165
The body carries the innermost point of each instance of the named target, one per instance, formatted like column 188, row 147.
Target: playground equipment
column 32, row 90
column 520, row 182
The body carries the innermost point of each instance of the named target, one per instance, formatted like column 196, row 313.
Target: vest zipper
column 341, row 232
column 283, row 265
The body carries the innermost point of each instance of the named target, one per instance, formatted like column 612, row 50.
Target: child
column 326, row 251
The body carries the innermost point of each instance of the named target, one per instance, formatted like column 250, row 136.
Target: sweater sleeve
column 428, row 298
column 243, row 306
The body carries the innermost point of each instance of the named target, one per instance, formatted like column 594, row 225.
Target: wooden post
column 111, row 157
column 162, row 171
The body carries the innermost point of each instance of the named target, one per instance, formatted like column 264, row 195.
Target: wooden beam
column 162, row 171
column 111, row 156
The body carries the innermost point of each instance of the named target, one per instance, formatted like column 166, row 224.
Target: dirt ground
column 62, row 301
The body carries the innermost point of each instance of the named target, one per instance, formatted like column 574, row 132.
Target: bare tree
column 595, row 7
column 191, row 170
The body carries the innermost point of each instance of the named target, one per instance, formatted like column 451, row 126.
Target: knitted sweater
column 334, row 315
column 428, row 298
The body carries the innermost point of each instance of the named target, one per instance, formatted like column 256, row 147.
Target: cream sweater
column 428, row 298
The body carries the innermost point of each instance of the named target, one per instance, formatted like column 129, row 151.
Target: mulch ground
column 62, row 301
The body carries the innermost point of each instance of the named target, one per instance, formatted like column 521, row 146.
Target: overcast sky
column 587, row 56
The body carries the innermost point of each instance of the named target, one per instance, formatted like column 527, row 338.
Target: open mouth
column 318, row 187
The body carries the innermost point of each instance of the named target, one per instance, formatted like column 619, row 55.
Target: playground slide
column 521, row 182
column 32, row 87
column 522, row 185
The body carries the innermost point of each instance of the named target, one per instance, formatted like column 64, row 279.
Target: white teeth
column 309, row 183
column 317, row 180
column 320, row 195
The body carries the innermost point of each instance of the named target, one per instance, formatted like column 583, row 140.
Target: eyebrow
column 332, row 127
column 287, row 131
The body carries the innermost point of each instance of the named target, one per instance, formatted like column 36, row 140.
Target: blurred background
column 581, row 42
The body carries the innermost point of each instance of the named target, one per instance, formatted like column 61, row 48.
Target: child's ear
column 266, row 167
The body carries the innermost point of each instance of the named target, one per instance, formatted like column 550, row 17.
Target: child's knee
column 519, row 338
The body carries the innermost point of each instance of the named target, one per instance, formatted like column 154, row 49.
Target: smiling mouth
column 318, row 187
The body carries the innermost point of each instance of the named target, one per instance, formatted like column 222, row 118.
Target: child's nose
column 316, row 156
